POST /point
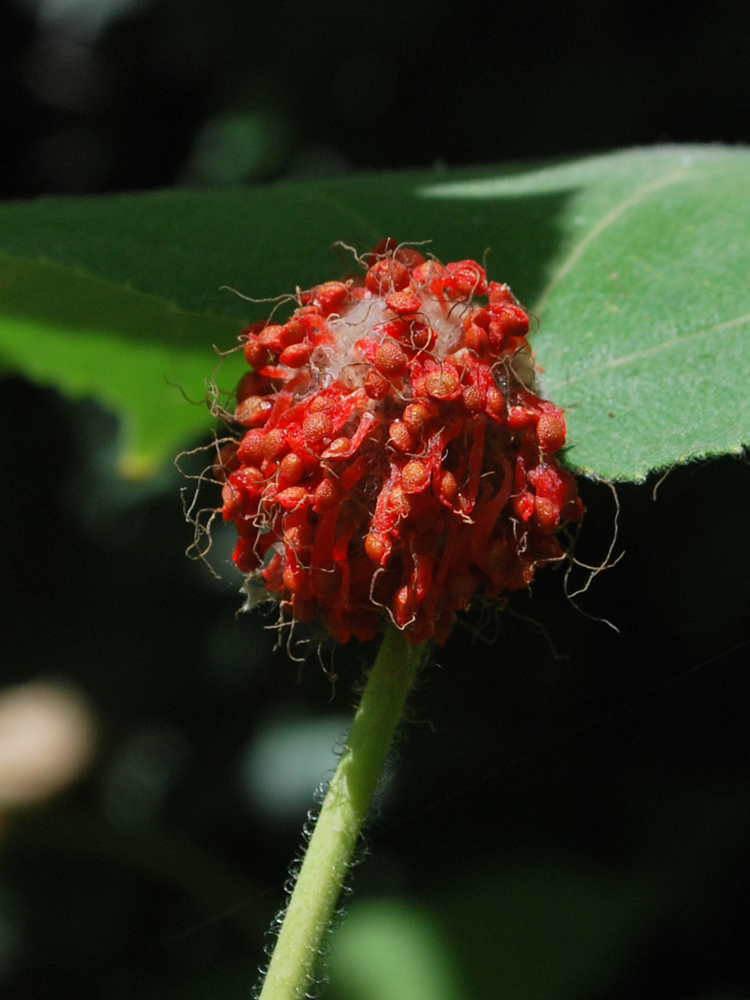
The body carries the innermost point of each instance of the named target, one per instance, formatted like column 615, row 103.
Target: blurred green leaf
column 152, row 852
column 636, row 263
column 544, row 932
column 144, row 358
column 387, row 950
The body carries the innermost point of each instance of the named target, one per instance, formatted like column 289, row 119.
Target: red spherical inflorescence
column 395, row 458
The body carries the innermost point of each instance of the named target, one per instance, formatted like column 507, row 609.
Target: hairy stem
column 329, row 853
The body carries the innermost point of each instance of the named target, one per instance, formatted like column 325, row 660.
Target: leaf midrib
column 638, row 195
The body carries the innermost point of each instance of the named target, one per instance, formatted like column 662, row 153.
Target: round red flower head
column 395, row 458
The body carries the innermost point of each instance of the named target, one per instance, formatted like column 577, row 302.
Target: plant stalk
column 313, row 901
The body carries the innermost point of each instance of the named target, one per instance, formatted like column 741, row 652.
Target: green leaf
column 387, row 950
column 635, row 262
column 645, row 308
column 142, row 357
column 545, row 932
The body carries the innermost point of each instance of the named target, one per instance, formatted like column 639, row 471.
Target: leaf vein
column 645, row 352
column 607, row 220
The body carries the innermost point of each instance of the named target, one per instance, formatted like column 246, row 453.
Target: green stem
column 329, row 853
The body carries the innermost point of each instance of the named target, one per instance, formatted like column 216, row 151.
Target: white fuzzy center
column 343, row 360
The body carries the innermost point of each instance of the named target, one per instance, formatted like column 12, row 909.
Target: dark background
column 623, row 753
column 132, row 94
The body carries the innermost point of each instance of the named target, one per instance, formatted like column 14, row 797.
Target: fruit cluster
column 395, row 458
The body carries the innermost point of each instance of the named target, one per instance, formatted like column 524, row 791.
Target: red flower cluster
column 395, row 457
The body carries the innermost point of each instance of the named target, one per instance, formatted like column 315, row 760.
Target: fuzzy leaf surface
column 636, row 264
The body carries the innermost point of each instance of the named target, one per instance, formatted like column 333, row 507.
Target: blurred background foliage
column 103, row 95
column 568, row 812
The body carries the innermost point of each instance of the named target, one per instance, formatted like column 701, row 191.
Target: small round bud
column 444, row 384
column 317, row 428
column 550, row 430
column 253, row 411
column 415, row 477
column 390, row 360
column 401, row 437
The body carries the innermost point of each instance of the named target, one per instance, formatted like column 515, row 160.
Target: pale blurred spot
column 65, row 75
column 287, row 761
column 81, row 19
column 47, row 739
column 143, row 771
column 236, row 148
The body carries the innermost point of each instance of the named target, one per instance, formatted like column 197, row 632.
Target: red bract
column 395, row 458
